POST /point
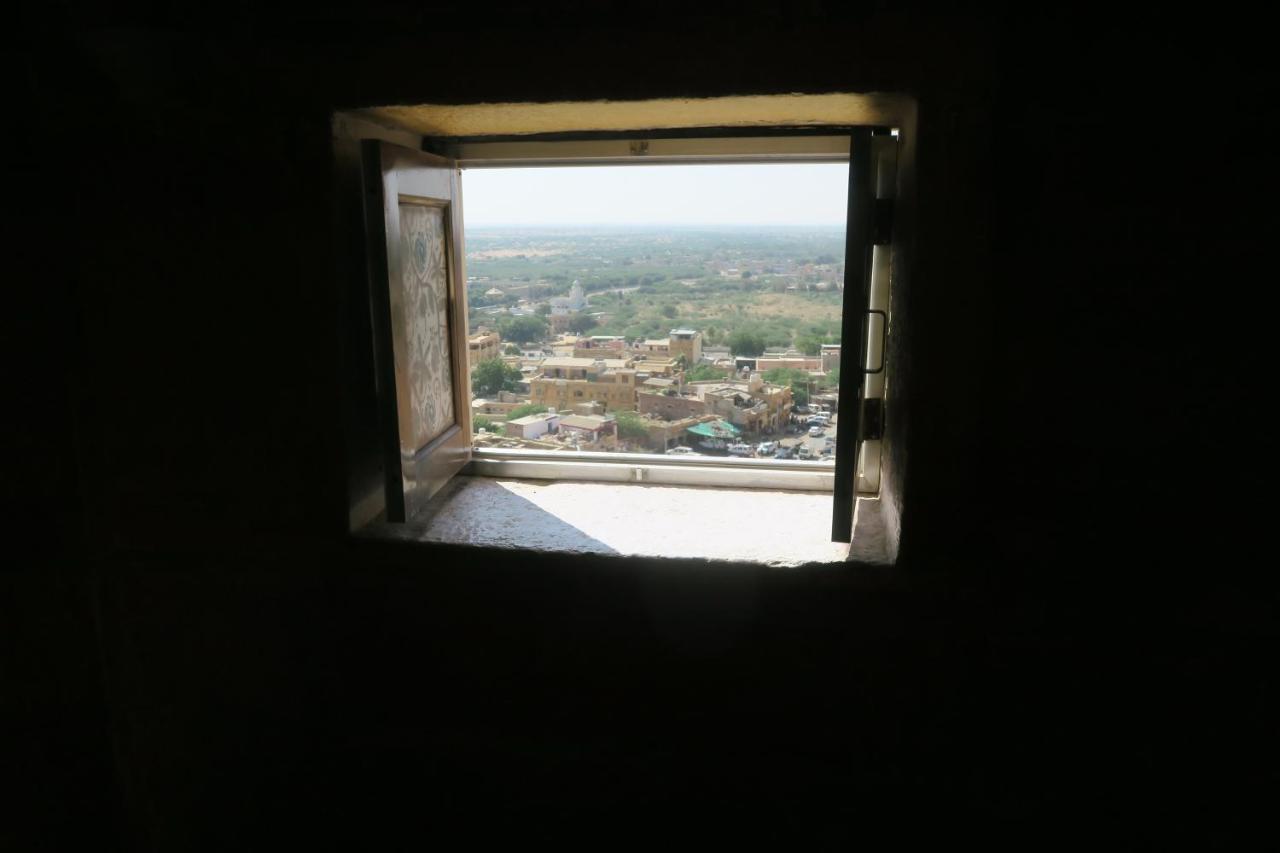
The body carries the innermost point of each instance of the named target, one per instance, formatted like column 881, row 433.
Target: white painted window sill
column 777, row 528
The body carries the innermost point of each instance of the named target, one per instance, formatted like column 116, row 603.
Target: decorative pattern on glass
column 425, row 283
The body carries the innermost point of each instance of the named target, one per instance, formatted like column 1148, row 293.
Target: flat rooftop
column 573, row 361
column 584, row 421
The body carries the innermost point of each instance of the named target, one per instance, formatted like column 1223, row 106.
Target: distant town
column 698, row 341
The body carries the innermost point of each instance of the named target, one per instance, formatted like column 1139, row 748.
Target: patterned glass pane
column 425, row 284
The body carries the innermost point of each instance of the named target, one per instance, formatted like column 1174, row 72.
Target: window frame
column 704, row 145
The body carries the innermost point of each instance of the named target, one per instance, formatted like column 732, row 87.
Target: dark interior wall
column 201, row 660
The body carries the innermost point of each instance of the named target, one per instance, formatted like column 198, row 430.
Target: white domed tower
column 577, row 299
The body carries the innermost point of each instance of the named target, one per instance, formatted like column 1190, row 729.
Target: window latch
column 884, row 337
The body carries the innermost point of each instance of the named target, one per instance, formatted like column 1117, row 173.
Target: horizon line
column 656, row 224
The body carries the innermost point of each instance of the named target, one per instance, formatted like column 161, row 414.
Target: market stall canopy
column 716, row 429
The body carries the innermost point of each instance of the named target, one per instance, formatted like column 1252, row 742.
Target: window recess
column 415, row 252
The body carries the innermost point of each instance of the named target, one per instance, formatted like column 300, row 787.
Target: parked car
column 815, row 430
column 682, row 451
column 803, row 452
column 784, row 453
column 766, row 448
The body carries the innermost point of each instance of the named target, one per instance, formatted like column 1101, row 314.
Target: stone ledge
column 777, row 528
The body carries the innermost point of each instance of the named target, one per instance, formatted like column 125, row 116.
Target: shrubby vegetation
column 483, row 422
column 806, row 321
column 493, row 375
column 643, row 282
column 581, row 322
column 525, row 410
column 749, row 341
column 523, row 329
column 798, row 380
column 631, row 426
column 701, row 372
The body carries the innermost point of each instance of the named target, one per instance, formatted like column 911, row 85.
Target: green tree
column 809, row 344
column 524, row 329
column 631, row 426
column 580, row 322
column 747, row 342
column 702, row 372
column 482, row 422
column 787, row 376
column 669, row 311
column 511, row 349
column 799, row 381
column 833, row 377
column 492, row 375
column 525, row 410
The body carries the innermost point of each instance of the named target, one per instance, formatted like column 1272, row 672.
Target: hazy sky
column 805, row 194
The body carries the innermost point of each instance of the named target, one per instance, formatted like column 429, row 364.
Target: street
column 814, row 443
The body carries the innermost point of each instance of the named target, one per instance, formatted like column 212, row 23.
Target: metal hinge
column 884, row 336
column 882, row 222
column 872, row 419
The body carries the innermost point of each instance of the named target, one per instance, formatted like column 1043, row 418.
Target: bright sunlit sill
column 768, row 527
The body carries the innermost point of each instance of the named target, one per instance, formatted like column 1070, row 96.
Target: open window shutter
column 413, row 208
column 884, row 166
column 865, row 323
